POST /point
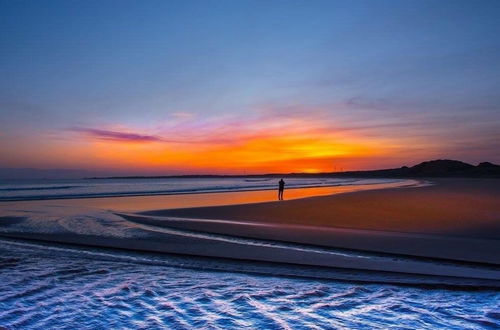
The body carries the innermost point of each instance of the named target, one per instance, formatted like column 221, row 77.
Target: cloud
column 116, row 136
column 178, row 136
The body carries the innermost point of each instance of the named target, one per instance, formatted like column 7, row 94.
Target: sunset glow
column 273, row 145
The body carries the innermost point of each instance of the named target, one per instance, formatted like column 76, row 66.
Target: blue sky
column 422, row 72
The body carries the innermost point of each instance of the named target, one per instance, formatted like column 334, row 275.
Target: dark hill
column 434, row 168
column 441, row 167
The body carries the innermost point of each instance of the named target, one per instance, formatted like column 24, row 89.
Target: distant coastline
column 441, row 168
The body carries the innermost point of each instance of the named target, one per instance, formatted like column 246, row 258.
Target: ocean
column 84, row 188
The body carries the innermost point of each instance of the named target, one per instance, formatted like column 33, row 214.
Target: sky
column 244, row 87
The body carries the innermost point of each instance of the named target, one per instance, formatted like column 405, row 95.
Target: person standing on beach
column 281, row 188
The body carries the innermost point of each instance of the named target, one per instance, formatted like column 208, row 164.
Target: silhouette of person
column 281, row 188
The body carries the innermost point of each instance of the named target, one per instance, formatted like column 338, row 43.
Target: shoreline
column 453, row 219
column 253, row 267
column 377, row 241
column 407, row 269
column 277, row 232
column 396, row 181
column 472, row 201
column 214, row 198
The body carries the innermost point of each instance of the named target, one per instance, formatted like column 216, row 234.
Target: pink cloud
column 107, row 135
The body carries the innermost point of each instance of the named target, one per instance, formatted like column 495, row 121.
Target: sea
column 87, row 188
column 45, row 285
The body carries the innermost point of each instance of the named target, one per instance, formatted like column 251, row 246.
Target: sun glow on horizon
column 292, row 146
column 266, row 144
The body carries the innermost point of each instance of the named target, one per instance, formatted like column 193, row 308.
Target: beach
column 444, row 227
column 366, row 257
column 452, row 219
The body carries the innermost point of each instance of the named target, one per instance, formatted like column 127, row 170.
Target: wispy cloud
column 107, row 135
column 177, row 136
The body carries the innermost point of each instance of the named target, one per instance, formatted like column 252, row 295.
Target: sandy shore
column 147, row 202
column 99, row 228
column 454, row 219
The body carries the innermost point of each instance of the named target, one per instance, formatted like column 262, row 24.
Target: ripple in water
column 42, row 291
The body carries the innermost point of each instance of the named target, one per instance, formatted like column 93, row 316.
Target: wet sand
column 454, row 219
column 185, row 200
column 100, row 228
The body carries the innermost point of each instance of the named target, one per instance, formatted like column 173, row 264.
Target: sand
column 455, row 219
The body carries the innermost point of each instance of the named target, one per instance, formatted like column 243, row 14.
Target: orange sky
column 263, row 144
